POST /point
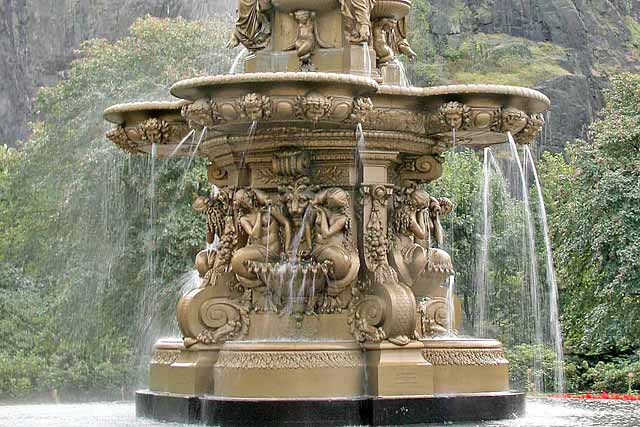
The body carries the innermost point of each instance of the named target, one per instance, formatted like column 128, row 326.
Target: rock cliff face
column 599, row 37
column 38, row 39
column 596, row 38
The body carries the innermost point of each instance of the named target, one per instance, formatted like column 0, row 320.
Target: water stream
column 532, row 277
column 238, row 60
column 556, row 332
column 482, row 266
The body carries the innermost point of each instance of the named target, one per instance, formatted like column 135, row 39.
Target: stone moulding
column 164, row 357
column 465, row 357
column 192, row 89
column 534, row 101
column 119, row 114
column 290, row 359
column 326, row 102
column 391, row 8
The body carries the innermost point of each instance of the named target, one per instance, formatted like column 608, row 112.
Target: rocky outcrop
column 595, row 33
column 38, row 39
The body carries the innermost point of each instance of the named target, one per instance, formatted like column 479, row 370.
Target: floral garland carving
column 465, row 357
column 535, row 123
column 164, row 357
column 290, row 359
column 119, row 137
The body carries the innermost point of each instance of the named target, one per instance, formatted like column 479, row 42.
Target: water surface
column 540, row 413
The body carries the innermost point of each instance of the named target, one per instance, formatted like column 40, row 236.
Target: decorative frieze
column 290, row 359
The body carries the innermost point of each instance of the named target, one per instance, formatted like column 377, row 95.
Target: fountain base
column 329, row 382
column 373, row 411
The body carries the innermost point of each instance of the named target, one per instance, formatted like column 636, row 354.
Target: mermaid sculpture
column 263, row 224
column 334, row 244
column 418, row 264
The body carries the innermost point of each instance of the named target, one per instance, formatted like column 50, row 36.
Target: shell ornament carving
column 367, row 317
column 223, row 320
column 432, row 317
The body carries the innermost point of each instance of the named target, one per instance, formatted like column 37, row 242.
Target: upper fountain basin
column 142, row 124
column 479, row 115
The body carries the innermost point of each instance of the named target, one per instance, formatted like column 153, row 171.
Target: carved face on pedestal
column 297, row 198
column 513, row 120
column 255, row 106
column 455, row 114
column 316, row 106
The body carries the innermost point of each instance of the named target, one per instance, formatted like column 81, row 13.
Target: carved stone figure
column 357, row 14
column 437, row 209
column 307, row 38
column 203, row 112
column 263, row 224
column 382, row 32
column 513, row 120
column 401, row 44
column 418, row 265
column 535, row 123
column 334, row 240
column 313, row 106
column 253, row 26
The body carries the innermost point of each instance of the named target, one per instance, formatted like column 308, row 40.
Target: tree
column 594, row 201
column 75, row 216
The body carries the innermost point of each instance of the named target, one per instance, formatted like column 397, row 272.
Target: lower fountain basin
column 372, row 411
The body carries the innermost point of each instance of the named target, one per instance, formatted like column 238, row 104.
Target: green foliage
column 521, row 359
column 584, row 375
column 594, row 201
column 460, row 182
column 79, row 290
column 634, row 32
column 502, row 59
column 446, row 57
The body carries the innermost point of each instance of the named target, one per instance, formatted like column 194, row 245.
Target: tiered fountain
column 324, row 298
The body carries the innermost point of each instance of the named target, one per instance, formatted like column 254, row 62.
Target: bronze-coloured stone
column 324, row 274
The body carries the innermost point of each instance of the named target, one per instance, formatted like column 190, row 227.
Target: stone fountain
column 323, row 298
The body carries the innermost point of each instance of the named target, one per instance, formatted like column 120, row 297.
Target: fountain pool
column 540, row 413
